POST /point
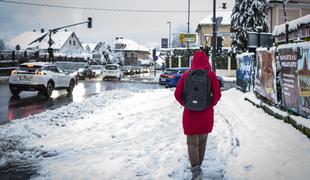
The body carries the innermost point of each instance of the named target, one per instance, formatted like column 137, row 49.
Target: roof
column 225, row 14
column 90, row 45
column 129, row 45
column 293, row 25
column 26, row 38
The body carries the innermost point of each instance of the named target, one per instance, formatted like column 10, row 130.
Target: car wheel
column 49, row 89
column 14, row 91
column 71, row 87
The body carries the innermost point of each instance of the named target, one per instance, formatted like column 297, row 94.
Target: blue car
column 171, row 76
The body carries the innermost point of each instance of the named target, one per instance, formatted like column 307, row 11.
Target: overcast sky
column 146, row 28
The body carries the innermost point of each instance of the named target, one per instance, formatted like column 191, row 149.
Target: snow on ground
column 138, row 135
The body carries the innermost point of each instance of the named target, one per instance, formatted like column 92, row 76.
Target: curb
column 4, row 80
column 287, row 119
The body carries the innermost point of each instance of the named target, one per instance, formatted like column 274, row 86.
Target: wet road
column 29, row 103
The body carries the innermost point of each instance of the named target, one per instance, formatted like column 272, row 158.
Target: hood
column 200, row 61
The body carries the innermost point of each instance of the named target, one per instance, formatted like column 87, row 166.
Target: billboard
column 265, row 73
column 295, row 74
column 187, row 38
column 244, row 70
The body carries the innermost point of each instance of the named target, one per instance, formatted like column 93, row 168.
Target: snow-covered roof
column 293, row 25
column 90, row 45
column 26, row 38
column 225, row 14
column 129, row 45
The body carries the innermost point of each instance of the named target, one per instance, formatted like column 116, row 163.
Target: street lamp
column 285, row 17
column 169, row 40
column 214, row 36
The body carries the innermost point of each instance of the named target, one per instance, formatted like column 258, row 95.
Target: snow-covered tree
column 247, row 15
column 2, row 44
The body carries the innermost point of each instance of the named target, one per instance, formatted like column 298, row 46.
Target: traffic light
column 154, row 52
column 219, row 43
column 90, row 22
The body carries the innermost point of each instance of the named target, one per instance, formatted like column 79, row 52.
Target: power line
column 99, row 9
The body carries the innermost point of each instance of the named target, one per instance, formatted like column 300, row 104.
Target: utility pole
column 188, row 24
column 286, row 24
column 214, row 39
column 169, row 40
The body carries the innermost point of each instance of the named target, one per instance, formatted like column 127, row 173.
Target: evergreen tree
column 246, row 16
column 2, row 44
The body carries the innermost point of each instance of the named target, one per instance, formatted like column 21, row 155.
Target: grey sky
column 143, row 27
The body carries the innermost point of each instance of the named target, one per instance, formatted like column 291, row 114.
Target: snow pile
column 138, row 135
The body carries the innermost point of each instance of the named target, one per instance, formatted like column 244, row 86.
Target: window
column 70, row 42
column 73, row 43
column 52, row 68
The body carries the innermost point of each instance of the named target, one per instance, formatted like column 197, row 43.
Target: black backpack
column 197, row 93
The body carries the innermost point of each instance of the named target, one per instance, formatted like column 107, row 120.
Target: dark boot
column 196, row 173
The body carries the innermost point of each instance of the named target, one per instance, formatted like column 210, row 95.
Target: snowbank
column 138, row 135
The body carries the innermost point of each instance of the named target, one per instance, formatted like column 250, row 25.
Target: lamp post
column 285, row 18
column 214, row 36
column 169, row 40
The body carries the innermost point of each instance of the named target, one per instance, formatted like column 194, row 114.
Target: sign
column 265, row 74
column 164, row 42
column 244, row 70
column 266, row 39
column 187, row 38
column 295, row 76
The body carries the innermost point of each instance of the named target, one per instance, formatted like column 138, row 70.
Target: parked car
column 42, row 77
column 69, row 67
column 170, row 77
column 97, row 70
column 112, row 71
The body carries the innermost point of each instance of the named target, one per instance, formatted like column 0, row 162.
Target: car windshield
column 96, row 67
column 109, row 67
column 66, row 65
column 171, row 71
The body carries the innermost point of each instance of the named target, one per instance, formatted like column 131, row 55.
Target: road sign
column 164, row 42
column 187, row 38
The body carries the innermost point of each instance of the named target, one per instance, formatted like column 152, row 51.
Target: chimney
column 42, row 30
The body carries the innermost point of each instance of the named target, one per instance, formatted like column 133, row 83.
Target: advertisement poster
column 244, row 71
column 303, row 71
column 265, row 74
column 288, row 57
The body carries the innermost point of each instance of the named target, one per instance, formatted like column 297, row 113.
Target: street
column 30, row 103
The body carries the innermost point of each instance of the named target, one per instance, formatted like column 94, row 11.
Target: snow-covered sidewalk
column 138, row 135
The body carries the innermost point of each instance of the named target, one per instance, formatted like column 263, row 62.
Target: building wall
column 72, row 45
column 276, row 15
column 208, row 30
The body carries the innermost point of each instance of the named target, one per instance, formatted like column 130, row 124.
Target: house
column 64, row 43
column 133, row 52
column 294, row 9
column 205, row 28
column 299, row 30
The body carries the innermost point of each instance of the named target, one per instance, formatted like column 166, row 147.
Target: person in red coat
column 198, row 124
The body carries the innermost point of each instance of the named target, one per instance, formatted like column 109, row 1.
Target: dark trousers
column 196, row 145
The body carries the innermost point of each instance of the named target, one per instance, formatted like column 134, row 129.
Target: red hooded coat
column 199, row 122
